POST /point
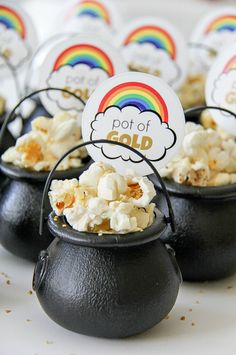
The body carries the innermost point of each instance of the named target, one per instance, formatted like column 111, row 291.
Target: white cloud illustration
column 12, row 47
column 216, row 41
column 224, row 92
column 156, row 61
column 80, row 79
column 148, row 130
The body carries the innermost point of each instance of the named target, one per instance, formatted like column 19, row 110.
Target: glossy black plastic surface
column 205, row 240
column 113, row 288
column 20, row 210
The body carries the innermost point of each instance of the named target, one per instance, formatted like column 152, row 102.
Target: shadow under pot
column 205, row 239
column 20, row 210
column 110, row 286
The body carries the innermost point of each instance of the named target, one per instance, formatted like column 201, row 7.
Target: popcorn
column 207, row 158
column 49, row 139
column 63, row 194
column 2, row 105
column 141, row 191
column 192, row 93
column 110, row 186
column 91, row 176
column 103, row 201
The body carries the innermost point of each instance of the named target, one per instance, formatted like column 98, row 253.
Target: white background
column 26, row 330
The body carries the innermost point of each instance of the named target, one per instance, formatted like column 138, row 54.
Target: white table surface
column 209, row 309
column 209, row 327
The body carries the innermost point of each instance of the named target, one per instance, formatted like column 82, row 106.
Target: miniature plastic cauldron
column 110, row 286
column 205, row 238
column 20, row 205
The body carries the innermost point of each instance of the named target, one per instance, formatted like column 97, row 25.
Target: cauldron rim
column 17, row 173
column 60, row 228
column 200, row 192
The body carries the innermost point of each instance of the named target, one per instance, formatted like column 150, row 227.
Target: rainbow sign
column 85, row 54
column 222, row 23
column 231, row 65
column 11, row 20
column 91, row 8
column 140, row 95
column 155, row 35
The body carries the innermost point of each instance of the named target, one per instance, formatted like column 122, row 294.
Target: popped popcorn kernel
column 192, row 92
column 207, row 158
column 48, row 140
column 104, row 202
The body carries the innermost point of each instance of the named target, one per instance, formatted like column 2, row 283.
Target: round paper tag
column 212, row 33
column 78, row 65
column 221, row 89
column 17, row 37
column 139, row 110
column 153, row 46
column 92, row 16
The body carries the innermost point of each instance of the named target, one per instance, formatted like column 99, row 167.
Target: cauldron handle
column 170, row 219
column 202, row 108
column 202, row 46
column 12, row 114
column 40, row 269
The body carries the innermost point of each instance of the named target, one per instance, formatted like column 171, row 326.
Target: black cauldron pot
column 205, row 238
column 20, row 210
column 110, row 286
column 20, row 204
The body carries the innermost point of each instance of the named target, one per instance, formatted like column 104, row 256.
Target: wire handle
column 13, row 112
column 202, row 108
column 204, row 47
column 170, row 219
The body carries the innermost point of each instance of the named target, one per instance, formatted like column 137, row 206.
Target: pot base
column 107, row 292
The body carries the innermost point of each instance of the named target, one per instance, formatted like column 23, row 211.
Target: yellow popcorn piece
column 49, row 139
column 207, row 158
column 103, row 201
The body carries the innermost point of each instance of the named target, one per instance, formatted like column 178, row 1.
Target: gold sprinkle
column 183, row 318
column 190, row 310
column 30, row 292
column 229, row 287
column 8, row 282
column 8, row 311
column 64, row 225
column 167, row 317
column 28, row 320
column 55, row 218
column 192, row 324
